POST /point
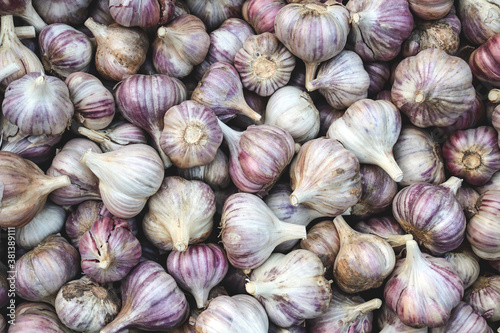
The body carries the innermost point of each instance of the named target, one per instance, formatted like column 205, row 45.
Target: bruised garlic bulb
column 291, row 287
column 264, row 64
column 325, row 176
column 294, row 111
column 24, row 189
column 370, row 129
column 180, row 45
column 342, row 80
column 180, row 213
column 127, row 177
column 251, row 231
column 363, row 261
column 423, row 290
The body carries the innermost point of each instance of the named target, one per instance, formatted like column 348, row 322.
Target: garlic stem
column 453, row 184
column 50, row 184
column 494, row 95
column 25, row 32
column 97, row 29
column 31, row 16
column 413, row 253
column 92, row 135
column 391, row 167
column 343, row 229
column 200, row 297
column 298, row 197
column 162, row 32
column 249, row 112
column 167, row 163
column 231, row 136
column 260, row 288
column 8, row 70
column 310, row 74
column 364, row 308
column 289, row 231
column 6, row 27
column 398, row 240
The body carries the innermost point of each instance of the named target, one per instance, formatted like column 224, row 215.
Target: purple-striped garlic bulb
column 109, row 250
column 151, row 300
column 385, row 227
column 215, row 12
column 432, row 214
column 144, row 13
column 260, row 14
column 215, row 173
column 251, row 231
column 431, row 10
column 379, row 73
column 94, row 104
column 144, row 99
column 60, row 11
column 370, row 129
column 433, row 88
column 468, row 198
column 324, row 176
column 117, row 135
column 327, row 115
column 264, row 64
column 342, row 80
column 64, row 50
column 36, row 317
column 473, row 154
column 483, row 229
column 99, row 10
column 25, row 10
column 465, row 263
column 419, row 156
column 324, row 241
column 476, row 17
column 258, row 155
column 233, row 314
column 484, row 61
column 346, row 313
column 291, row 287
column 484, row 297
column 180, row 45
column 423, row 290
column 221, row 90
column 374, row 21
column 389, row 322
column 464, row 318
column 363, row 261
column 313, row 32
column 191, row 134
column 198, row 269
column 179, row 214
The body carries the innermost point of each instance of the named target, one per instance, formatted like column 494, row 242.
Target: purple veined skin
column 431, row 10
column 484, row 61
column 464, row 319
column 465, row 263
column 479, row 19
column 71, row 12
column 379, row 73
column 323, row 240
column 36, row 317
column 484, row 297
column 198, row 269
column 143, row 13
column 23, row 9
column 387, row 228
column 260, row 14
column 214, row 12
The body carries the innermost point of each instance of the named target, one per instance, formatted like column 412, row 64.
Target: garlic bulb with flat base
column 291, row 287
column 127, row 177
column 179, row 214
column 423, row 290
column 479, row 19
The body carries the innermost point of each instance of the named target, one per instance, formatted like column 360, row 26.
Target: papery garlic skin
column 484, row 297
column 235, row 314
column 36, row 317
column 294, row 111
column 465, row 263
column 215, row 173
column 264, row 64
column 423, row 289
column 179, row 214
column 143, row 13
column 261, row 13
column 99, row 10
column 38, row 104
column 180, row 45
column 464, row 319
column 431, row 10
column 323, row 240
column 389, row 322
column 82, row 218
column 25, row 10
column 419, row 91
column 291, row 287
column 379, row 73
column 71, row 12
column 370, row 129
column 117, row 135
column 214, row 12
column 480, row 19
column 127, row 177
column 325, row 176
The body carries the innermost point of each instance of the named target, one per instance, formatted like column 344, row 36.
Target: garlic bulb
column 484, row 297
column 258, row 156
column 483, row 62
column 479, row 19
column 433, row 88
column 38, row 104
column 483, row 229
column 389, row 322
column 473, row 154
column 94, row 104
column 363, row 261
column 127, row 177
column 468, row 198
column 431, row 10
column 464, row 319
column 191, row 134
column 144, row 14
column 180, row 45
column 422, row 290
column 36, row 317
column 325, row 177
column 151, row 300
column 221, row 90
column 465, row 263
column 215, row 173
column 24, row 189
column 261, row 13
column 324, row 241
column 71, row 12
column 198, row 269
column 346, row 313
column 214, row 12
column 387, row 228
column 370, row 129
column 179, row 214
column 84, row 305
column 342, row 80
column 235, row 314
column 99, row 10
column 313, row 32
column 432, row 214
column 50, row 220
column 327, row 115
column 294, row 111
column 23, row 9
column 419, row 156
column 64, row 50
column 264, row 64
column 117, row 135
column 13, row 51
column 36, row 278
column 251, row 231
column 84, row 184
column 492, row 184
column 82, row 218
column 379, row 73
column 376, row 21
column 120, row 50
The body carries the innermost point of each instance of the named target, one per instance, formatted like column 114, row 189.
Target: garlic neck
column 98, row 30
column 6, row 29
column 180, row 238
column 343, row 229
column 232, row 137
column 92, row 134
column 260, row 288
column 413, row 254
column 31, row 16
column 49, row 184
column 310, row 74
column 289, row 231
column 358, row 310
column 453, row 184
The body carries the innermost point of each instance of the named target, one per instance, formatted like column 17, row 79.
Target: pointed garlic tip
column 494, row 95
column 419, row 97
column 392, row 168
column 453, row 184
column 347, row 212
column 162, row 32
column 58, row 182
column 41, row 79
column 412, row 250
column 247, row 271
column 249, row 112
column 310, row 74
column 342, row 226
column 355, row 18
column 294, row 199
column 250, row 287
column 104, row 263
column 180, row 246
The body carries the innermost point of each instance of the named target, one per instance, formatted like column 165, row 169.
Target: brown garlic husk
column 120, row 50
column 23, row 189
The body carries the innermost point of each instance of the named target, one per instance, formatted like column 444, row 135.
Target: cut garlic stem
column 453, row 183
column 310, row 74
column 364, row 308
column 92, row 135
column 31, row 16
column 494, row 95
column 289, row 231
column 398, row 240
column 25, row 32
column 260, row 288
column 391, row 167
column 8, row 70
